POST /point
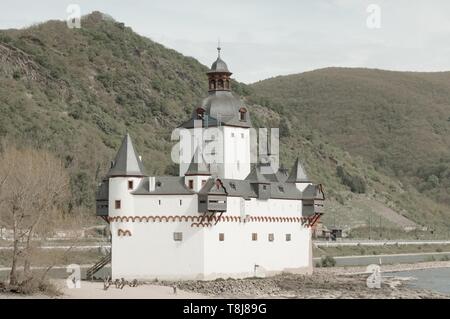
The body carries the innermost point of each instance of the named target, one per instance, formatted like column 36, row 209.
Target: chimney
column 151, row 183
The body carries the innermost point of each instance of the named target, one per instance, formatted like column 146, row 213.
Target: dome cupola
column 219, row 75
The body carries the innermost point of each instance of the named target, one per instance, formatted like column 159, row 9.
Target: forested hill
column 397, row 121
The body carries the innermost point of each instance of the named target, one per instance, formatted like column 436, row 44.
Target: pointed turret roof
column 298, row 174
column 127, row 162
column 256, row 176
column 198, row 165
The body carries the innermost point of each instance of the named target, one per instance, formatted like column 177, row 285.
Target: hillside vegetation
column 396, row 122
column 369, row 136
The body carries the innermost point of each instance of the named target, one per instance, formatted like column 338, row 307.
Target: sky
column 262, row 39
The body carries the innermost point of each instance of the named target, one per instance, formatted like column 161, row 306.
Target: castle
column 219, row 218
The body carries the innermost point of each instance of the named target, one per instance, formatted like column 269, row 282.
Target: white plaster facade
column 151, row 251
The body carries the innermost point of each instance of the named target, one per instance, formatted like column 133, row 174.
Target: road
column 318, row 243
column 365, row 260
column 65, row 247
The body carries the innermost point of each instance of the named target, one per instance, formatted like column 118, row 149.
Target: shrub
column 328, row 261
column 356, row 183
column 33, row 286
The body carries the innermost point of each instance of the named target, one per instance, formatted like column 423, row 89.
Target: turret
column 125, row 174
column 298, row 176
column 197, row 173
column 259, row 183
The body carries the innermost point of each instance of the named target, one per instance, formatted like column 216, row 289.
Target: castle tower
column 125, row 174
column 230, row 118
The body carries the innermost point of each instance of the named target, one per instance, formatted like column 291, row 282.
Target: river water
column 435, row 279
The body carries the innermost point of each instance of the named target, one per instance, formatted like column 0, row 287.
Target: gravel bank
column 337, row 282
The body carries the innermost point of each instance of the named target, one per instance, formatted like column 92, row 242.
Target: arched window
column 212, row 85
column 220, row 84
column 242, row 113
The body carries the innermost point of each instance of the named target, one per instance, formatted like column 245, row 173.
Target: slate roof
column 174, row 185
column 127, row 162
column 219, row 66
column 256, row 176
column 222, row 108
column 298, row 174
column 198, row 165
column 164, row 185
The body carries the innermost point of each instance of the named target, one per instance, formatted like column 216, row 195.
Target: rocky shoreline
column 335, row 282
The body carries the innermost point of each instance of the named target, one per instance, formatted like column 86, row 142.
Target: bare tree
column 33, row 189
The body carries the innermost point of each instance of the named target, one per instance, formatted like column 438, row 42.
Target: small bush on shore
column 328, row 261
column 31, row 286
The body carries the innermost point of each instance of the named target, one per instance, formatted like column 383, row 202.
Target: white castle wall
column 151, row 252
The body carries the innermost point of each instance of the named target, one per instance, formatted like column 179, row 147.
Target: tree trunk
column 27, row 264
column 13, row 274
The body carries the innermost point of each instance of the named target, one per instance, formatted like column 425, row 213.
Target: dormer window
column 200, row 113
column 242, row 114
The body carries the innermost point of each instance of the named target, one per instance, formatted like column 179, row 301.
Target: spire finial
column 218, row 48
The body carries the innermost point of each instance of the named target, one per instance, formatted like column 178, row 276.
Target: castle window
column 242, row 113
column 271, row 237
column 181, row 202
column 191, row 184
column 159, row 202
column 130, row 184
column 221, row 236
column 117, row 204
column 220, row 84
column 264, row 187
column 281, row 188
column 158, row 184
column 178, row 236
column 288, row 237
column 254, row 236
